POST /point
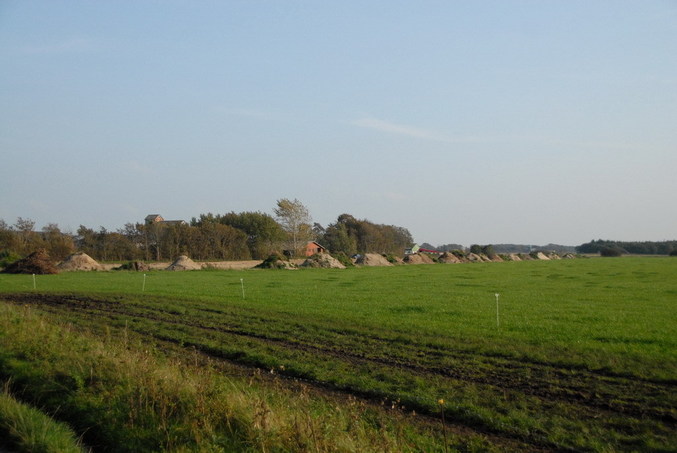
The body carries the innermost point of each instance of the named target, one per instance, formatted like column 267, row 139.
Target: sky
column 507, row 121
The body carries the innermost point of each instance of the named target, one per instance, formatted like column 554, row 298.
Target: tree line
column 622, row 247
column 229, row 236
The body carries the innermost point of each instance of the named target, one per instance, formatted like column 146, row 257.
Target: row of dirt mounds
column 374, row 259
column 39, row 262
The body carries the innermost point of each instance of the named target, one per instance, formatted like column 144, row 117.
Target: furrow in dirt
column 547, row 383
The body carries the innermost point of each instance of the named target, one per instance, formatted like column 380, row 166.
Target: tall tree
column 350, row 235
column 295, row 220
column 264, row 234
column 59, row 244
column 27, row 239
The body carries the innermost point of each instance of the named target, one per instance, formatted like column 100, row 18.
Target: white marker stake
column 497, row 320
column 242, row 284
column 34, row 287
column 143, row 287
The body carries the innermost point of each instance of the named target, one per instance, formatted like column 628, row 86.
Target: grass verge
column 123, row 395
column 25, row 428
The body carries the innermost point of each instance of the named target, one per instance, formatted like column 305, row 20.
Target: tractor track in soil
column 546, row 382
column 56, row 305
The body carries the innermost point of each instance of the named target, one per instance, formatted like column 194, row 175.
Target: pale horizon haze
column 483, row 122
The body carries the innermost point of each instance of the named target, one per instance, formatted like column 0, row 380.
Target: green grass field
column 582, row 354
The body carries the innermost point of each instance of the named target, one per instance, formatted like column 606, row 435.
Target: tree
column 489, row 251
column 337, row 239
column 7, row 238
column 27, row 239
column 350, row 235
column 59, row 245
column 295, row 220
column 610, row 251
column 264, row 234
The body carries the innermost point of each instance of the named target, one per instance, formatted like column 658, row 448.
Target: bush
column 610, row 252
column 673, row 253
column 7, row 258
column 275, row 261
column 390, row 257
column 343, row 259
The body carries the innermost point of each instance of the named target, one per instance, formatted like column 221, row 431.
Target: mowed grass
column 614, row 314
column 581, row 356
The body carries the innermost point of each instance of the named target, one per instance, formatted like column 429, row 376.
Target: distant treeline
column 638, row 248
column 230, row 236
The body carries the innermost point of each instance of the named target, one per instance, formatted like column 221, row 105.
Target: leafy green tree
column 488, row 250
column 350, row 235
column 26, row 239
column 264, row 234
column 338, row 239
column 7, row 238
column 58, row 244
column 86, row 241
column 610, row 251
column 223, row 242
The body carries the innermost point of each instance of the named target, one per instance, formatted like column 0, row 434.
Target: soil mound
column 276, row 261
column 323, row 260
column 183, row 263
column 542, row 256
column 418, row 258
column 474, row 258
column 449, row 258
column 37, row 262
column 372, row 259
column 80, row 262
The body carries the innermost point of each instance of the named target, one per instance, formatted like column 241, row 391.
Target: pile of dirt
column 474, row 258
column 324, row 260
column 372, row 259
column 80, row 262
column 183, row 263
column 514, row 257
column 448, row 257
column 133, row 266
column 542, row 256
column 418, row 258
column 276, row 261
column 37, row 262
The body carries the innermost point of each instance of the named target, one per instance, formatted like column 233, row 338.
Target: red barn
column 313, row 247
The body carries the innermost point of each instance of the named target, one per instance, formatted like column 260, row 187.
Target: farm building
column 155, row 219
column 313, row 248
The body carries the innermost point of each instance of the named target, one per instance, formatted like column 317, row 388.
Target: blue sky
column 465, row 122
